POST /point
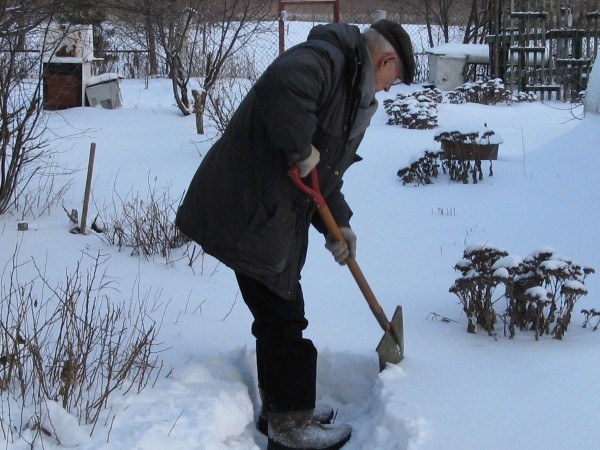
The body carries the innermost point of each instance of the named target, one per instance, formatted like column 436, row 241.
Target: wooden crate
column 469, row 150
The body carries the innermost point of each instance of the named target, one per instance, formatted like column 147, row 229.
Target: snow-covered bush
column 541, row 290
column 422, row 169
column 544, row 290
column 467, row 133
column 476, row 286
column 521, row 97
column 417, row 110
column 488, row 92
column 426, row 166
column 463, row 148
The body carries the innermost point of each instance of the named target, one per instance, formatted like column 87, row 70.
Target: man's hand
column 342, row 249
column 308, row 164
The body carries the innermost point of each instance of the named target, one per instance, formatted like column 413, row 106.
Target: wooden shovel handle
column 334, row 230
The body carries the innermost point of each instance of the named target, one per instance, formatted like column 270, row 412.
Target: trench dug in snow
column 211, row 402
column 368, row 400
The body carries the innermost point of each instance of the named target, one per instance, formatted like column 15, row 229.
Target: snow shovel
column 391, row 346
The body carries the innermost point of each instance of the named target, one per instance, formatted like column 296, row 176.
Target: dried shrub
column 145, row 225
column 71, row 342
column 476, row 286
column 425, row 168
column 463, row 169
column 541, row 290
column 417, row 110
column 222, row 101
column 422, row 169
column 464, row 163
column 461, row 162
column 590, row 315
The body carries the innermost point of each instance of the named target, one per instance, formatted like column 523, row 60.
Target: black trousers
column 286, row 362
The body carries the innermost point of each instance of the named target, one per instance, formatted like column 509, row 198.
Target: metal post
column 281, row 16
column 379, row 15
column 281, row 26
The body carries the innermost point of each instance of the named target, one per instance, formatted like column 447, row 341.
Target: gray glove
column 308, row 164
column 340, row 249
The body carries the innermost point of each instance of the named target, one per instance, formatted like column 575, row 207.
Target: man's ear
column 380, row 60
column 385, row 58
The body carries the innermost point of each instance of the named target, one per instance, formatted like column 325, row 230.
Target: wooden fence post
column 88, row 187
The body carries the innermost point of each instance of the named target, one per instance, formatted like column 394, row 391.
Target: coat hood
column 345, row 37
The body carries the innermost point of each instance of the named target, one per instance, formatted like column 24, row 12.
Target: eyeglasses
column 399, row 71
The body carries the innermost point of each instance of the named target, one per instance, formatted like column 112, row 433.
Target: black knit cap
column 400, row 40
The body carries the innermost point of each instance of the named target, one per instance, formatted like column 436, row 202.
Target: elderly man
column 309, row 109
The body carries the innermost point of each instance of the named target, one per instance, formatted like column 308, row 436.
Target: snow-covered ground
column 453, row 390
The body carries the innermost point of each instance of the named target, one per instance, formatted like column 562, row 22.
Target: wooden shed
column 67, row 65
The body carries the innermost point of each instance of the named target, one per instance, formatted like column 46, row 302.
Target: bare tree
column 441, row 15
column 225, row 35
column 173, row 32
column 438, row 12
column 27, row 36
column 199, row 39
column 162, row 27
column 150, row 38
column 477, row 22
column 131, row 23
column 21, row 124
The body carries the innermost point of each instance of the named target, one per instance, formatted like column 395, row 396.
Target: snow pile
column 592, row 95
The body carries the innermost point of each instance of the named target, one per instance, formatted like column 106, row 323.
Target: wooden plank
column 308, row 2
column 528, row 14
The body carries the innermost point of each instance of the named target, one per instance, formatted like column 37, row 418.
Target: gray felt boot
column 298, row 430
column 322, row 414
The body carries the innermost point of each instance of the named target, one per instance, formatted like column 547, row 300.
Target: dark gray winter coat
column 241, row 206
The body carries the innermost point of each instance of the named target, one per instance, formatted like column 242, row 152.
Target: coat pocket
column 269, row 238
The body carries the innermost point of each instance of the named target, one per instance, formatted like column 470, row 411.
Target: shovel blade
column 391, row 346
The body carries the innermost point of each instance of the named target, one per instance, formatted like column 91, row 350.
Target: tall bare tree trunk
column 199, row 107
column 151, row 39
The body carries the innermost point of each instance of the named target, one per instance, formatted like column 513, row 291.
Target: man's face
column 388, row 71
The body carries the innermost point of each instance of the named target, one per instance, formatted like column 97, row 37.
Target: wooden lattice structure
column 545, row 46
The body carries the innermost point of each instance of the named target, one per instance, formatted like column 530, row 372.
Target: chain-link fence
column 426, row 29
column 132, row 62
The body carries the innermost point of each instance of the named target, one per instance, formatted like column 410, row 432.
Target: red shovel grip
column 314, row 192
